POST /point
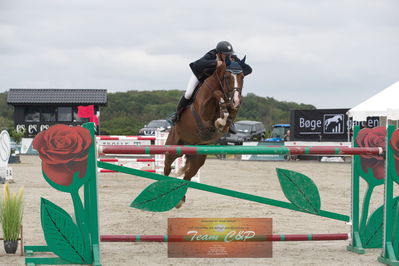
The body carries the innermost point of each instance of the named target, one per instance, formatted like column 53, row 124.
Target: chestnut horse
column 208, row 118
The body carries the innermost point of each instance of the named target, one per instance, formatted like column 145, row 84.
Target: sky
column 331, row 53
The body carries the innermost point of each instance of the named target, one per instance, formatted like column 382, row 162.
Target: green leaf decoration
column 395, row 229
column 300, row 190
column 62, row 235
column 372, row 234
column 161, row 196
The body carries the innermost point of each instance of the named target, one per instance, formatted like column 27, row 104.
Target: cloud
column 326, row 53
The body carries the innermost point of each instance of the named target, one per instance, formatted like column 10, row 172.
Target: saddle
column 195, row 93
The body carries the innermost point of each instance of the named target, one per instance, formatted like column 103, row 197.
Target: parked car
column 161, row 125
column 246, row 131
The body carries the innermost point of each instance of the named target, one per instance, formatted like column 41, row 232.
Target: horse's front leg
column 220, row 122
column 232, row 116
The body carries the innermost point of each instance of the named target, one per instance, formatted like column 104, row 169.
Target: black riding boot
column 183, row 102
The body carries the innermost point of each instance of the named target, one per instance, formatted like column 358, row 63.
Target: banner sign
column 372, row 121
column 319, row 125
column 220, row 237
column 324, row 125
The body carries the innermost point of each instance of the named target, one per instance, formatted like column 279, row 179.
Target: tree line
column 127, row 112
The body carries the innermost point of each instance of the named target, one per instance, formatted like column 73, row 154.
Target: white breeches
column 192, row 83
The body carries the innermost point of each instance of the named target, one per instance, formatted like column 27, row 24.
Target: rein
column 221, row 85
column 228, row 96
column 204, row 132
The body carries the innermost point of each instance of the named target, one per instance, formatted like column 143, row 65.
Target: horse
column 333, row 120
column 208, row 118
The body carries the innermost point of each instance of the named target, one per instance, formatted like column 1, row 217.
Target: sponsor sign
column 325, row 125
column 219, row 237
column 319, row 125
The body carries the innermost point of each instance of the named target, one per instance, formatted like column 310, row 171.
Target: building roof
column 57, row 96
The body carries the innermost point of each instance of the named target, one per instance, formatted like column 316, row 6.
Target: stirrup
column 172, row 118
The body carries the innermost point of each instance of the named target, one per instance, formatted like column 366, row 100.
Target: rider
column 205, row 67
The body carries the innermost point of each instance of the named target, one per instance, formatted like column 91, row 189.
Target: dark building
column 36, row 110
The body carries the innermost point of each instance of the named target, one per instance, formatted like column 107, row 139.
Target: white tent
column 385, row 103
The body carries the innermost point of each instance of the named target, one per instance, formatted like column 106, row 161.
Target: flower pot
column 10, row 246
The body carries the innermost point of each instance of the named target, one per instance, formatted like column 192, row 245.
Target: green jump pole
column 202, row 150
column 222, row 191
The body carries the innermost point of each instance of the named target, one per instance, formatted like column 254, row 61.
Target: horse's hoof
column 179, row 204
column 220, row 123
column 219, row 128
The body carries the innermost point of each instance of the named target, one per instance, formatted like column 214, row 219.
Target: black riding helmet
column 224, row 47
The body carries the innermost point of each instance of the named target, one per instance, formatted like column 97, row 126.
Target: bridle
column 230, row 91
column 225, row 103
column 227, row 96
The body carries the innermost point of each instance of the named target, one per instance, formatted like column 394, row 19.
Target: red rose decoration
column 373, row 137
column 63, row 150
column 395, row 147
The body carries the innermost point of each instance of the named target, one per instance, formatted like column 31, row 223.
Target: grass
column 11, row 212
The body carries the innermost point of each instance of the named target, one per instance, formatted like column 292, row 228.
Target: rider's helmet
column 224, row 47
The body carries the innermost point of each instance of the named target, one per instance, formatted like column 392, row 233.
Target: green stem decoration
column 80, row 216
column 366, row 206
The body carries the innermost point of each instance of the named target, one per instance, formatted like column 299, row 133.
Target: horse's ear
column 245, row 68
column 242, row 61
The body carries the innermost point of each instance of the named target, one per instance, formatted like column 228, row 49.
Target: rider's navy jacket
column 206, row 65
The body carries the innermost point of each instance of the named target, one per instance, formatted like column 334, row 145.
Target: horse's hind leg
column 182, row 170
column 172, row 139
column 169, row 159
column 194, row 163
